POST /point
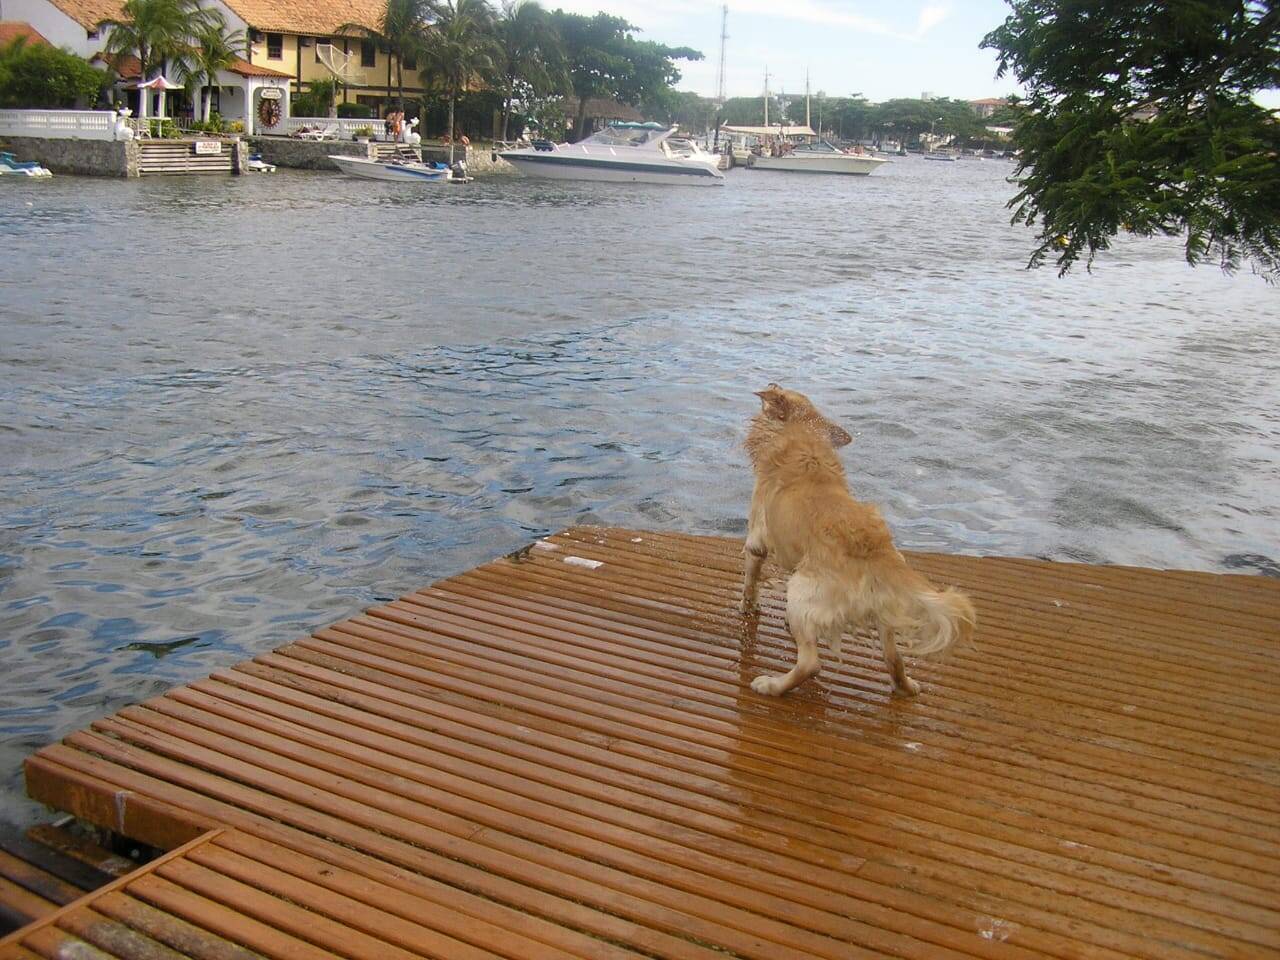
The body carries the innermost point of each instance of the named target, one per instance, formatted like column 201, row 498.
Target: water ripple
column 309, row 393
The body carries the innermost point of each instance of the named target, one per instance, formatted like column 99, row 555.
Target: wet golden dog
column 844, row 569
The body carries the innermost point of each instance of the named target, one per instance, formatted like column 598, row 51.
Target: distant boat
column 621, row 153
column 821, row 156
column 947, row 156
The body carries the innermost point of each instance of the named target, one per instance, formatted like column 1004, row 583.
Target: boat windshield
column 819, row 146
column 628, row 134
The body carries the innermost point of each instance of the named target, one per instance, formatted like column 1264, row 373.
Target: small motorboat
column 621, row 153
column 945, row 156
column 256, row 164
column 396, row 168
column 12, row 166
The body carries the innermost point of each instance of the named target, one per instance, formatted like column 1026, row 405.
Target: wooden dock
column 558, row 755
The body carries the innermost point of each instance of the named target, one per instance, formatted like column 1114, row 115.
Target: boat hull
column 380, row 170
column 847, row 164
column 551, row 165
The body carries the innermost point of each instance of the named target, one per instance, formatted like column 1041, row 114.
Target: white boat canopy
column 778, row 131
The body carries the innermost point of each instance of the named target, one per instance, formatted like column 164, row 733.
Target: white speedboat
column 392, row 169
column 621, row 153
column 945, row 156
column 820, row 157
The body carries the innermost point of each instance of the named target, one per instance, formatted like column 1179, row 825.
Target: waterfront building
column 985, row 108
column 286, row 49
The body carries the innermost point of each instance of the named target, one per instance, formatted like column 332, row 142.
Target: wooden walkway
column 558, row 755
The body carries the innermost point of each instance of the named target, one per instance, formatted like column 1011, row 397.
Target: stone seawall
column 314, row 155
column 306, row 154
column 91, row 158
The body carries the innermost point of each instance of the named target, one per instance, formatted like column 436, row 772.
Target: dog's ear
column 773, row 402
column 838, row 436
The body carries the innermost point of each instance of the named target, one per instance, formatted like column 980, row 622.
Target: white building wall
column 54, row 25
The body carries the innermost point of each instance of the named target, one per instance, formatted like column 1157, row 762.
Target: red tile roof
column 10, row 30
column 305, row 17
column 90, row 13
column 128, row 67
column 247, row 69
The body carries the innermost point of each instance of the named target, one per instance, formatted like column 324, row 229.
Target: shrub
column 36, row 75
column 358, row 111
column 164, row 129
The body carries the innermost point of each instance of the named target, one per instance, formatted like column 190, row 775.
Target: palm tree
column 156, row 31
column 460, row 48
column 215, row 50
column 530, row 57
column 401, row 33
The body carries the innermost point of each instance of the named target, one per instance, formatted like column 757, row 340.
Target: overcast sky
column 879, row 48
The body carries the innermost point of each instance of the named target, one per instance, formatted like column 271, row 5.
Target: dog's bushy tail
column 947, row 618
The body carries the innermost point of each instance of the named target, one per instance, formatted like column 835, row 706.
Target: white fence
column 59, row 124
column 346, row 127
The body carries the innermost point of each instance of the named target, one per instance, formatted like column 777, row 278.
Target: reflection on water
column 234, row 409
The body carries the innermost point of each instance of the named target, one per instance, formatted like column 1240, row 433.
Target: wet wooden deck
column 542, row 758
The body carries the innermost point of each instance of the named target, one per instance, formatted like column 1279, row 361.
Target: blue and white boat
column 393, row 169
column 14, row 167
column 621, row 153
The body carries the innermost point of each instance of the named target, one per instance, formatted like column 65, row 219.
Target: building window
column 321, row 41
column 411, row 61
column 92, row 34
column 368, row 53
column 275, row 46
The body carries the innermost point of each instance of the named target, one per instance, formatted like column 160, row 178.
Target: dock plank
column 539, row 759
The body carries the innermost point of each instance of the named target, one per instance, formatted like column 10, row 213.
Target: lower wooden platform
column 558, row 755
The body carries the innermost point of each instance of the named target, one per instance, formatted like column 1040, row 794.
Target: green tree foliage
column 401, row 33
column 748, row 111
column 159, row 31
column 604, row 59
column 682, row 107
column 318, row 99
column 214, row 49
column 460, row 48
column 1092, row 164
column 38, row 76
column 531, row 63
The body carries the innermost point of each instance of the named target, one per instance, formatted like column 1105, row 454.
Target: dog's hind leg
column 902, row 684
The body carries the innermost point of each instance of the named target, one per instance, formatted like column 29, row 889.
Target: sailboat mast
column 724, row 37
column 766, row 95
column 806, row 100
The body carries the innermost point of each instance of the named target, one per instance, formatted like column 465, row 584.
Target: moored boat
column 621, row 153
column 819, row 156
column 14, row 167
column 393, row 169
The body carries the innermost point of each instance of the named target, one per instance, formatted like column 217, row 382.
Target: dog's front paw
column 769, row 686
column 908, row 687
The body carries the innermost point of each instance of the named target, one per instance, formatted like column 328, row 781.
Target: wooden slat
column 19, row 906
column 96, row 859
column 537, row 759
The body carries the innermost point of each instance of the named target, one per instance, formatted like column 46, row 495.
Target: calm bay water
column 232, row 410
